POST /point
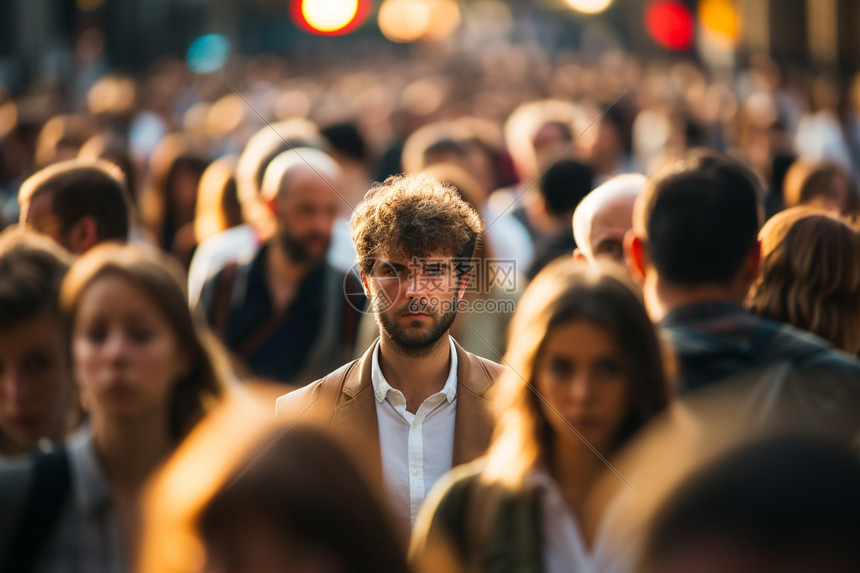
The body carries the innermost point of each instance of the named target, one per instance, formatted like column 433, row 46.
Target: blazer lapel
column 473, row 425
column 354, row 418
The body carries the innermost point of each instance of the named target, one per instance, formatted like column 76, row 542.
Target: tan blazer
column 344, row 403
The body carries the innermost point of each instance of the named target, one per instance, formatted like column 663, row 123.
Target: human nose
column 581, row 389
column 115, row 348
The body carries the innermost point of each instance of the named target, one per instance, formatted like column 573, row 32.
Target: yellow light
column 404, row 20
column 329, row 15
column 720, row 19
column 589, row 6
column 412, row 20
column 444, row 19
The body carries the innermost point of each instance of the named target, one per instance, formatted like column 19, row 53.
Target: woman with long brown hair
column 585, row 374
column 146, row 376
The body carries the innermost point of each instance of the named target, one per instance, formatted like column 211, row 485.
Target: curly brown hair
column 414, row 216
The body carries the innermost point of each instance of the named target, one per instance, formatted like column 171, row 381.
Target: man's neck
column 417, row 377
column 662, row 297
column 282, row 275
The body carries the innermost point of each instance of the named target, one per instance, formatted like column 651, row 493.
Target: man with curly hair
column 414, row 404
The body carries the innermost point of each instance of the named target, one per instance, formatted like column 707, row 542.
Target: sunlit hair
column 562, row 293
column 83, row 188
column 175, row 153
column 824, row 184
column 161, row 279
column 260, row 149
column 414, row 216
column 810, row 275
column 217, row 208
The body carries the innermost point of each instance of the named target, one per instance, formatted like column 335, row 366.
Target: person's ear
column 752, row 263
column 272, row 206
column 83, row 235
column 462, row 283
column 364, row 283
column 634, row 255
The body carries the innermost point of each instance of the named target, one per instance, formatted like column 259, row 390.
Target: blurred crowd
column 518, row 312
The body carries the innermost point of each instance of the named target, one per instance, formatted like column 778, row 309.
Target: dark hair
column 162, row 280
column 346, row 139
column 305, row 488
column 414, row 216
column 564, row 185
column 84, row 188
column 821, row 183
column 700, row 216
column 781, row 498
column 32, row 268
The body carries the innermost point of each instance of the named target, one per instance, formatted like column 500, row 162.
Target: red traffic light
column 670, row 24
column 329, row 17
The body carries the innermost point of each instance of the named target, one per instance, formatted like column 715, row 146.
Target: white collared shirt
column 563, row 547
column 417, row 449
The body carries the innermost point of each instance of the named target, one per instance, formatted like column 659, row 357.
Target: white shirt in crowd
column 417, row 449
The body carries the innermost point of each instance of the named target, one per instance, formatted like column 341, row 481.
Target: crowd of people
column 495, row 313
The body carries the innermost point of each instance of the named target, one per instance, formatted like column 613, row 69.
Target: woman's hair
column 217, row 207
column 173, row 154
column 302, row 486
column 161, row 279
column 810, row 275
column 564, row 292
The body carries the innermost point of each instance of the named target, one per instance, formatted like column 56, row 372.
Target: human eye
column 96, row 334
column 141, row 335
column 37, row 362
column 608, row 368
column 611, row 248
column 561, row 367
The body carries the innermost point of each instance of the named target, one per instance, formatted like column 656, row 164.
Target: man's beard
column 297, row 248
column 419, row 344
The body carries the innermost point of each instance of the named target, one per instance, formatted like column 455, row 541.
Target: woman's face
column 580, row 375
column 126, row 354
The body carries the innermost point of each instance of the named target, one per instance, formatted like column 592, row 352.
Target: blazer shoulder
column 314, row 400
column 494, row 369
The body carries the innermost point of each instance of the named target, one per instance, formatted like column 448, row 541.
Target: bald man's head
column 604, row 216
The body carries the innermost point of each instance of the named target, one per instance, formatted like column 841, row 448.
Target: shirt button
column 415, row 472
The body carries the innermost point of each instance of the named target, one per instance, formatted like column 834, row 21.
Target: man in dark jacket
column 694, row 246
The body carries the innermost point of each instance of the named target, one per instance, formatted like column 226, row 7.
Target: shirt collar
column 90, row 488
column 381, row 387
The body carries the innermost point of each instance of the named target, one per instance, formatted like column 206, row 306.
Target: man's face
column 38, row 214
column 305, row 213
column 611, row 222
column 35, row 392
column 415, row 299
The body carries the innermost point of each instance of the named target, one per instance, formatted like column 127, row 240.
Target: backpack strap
column 46, row 498
column 223, row 298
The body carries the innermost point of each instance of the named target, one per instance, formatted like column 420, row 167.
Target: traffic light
column 670, row 24
column 329, row 17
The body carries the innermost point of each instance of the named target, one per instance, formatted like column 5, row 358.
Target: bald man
column 604, row 216
column 285, row 312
